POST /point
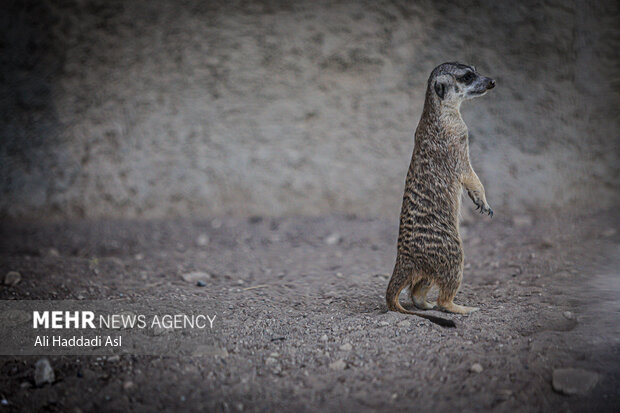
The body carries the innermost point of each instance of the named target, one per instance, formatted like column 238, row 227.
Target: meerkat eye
column 467, row 78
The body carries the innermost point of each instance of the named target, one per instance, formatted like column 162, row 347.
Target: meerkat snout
column 491, row 84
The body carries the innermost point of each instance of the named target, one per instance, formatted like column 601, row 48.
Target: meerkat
column 429, row 244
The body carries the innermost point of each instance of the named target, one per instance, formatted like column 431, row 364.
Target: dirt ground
column 314, row 333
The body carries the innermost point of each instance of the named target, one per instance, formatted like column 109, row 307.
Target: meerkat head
column 456, row 82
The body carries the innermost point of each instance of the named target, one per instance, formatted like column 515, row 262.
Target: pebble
column 12, row 278
column 128, row 385
column 568, row 315
column 404, row 323
column 4, row 402
column 332, row 239
column 384, row 323
column 338, row 365
column 476, row 368
column 346, row 347
column 572, row 381
column 209, row 350
column 114, row 358
column 43, row 372
column 202, row 240
column 201, row 283
column 324, row 337
column 53, row 252
column 196, row 276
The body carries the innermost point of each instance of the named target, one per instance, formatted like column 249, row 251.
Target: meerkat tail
column 394, row 305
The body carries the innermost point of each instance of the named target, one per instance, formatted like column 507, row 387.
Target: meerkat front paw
column 480, row 203
column 485, row 208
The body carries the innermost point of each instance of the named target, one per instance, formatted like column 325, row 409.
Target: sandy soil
column 315, row 335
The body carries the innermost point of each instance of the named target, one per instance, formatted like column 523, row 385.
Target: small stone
column 324, row 337
column 573, row 381
column 270, row 361
column 476, row 368
column 43, row 372
column 201, row 283
column 4, row 402
column 53, row 252
column 384, row 323
column 12, row 278
column 196, row 276
column 338, row 365
column 568, row 315
column 346, row 347
column 128, row 385
column 332, row 239
column 202, row 240
column 404, row 324
column 207, row 350
column 25, row 385
column 114, row 358
column 139, row 257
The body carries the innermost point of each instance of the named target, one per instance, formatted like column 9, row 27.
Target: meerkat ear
column 441, row 85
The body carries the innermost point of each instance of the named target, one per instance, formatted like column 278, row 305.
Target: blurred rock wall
column 196, row 108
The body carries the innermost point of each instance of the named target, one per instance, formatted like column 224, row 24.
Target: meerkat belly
column 429, row 235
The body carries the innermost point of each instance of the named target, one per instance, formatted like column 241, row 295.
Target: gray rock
column 196, row 276
column 572, row 381
column 12, row 278
column 404, row 324
column 202, row 240
column 210, row 350
column 43, row 372
column 476, row 368
column 346, row 347
column 53, row 252
column 338, row 365
column 332, row 239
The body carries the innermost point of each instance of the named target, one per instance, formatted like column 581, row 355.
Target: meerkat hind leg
column 418, row 292
column 445, row 301
column 456, row 309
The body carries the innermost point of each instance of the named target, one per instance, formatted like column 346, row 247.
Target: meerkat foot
column 457, row 309
column 422, row 304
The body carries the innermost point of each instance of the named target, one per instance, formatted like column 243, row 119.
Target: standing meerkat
column 429, row 243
